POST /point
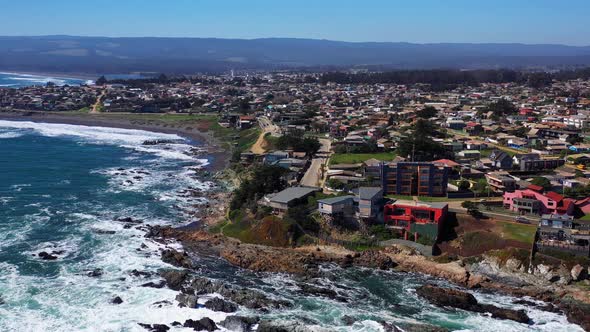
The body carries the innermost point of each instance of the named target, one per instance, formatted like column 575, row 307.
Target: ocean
column 15, row 80
column 62, row 189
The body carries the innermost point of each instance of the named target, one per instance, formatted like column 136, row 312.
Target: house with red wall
column 405, row 215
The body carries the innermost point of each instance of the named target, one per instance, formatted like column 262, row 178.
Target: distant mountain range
column 191, row 55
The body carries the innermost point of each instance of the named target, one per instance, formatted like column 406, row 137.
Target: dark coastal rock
column 577, row 313
column 320, row 291
column 187, row 300
column 155, row 327
column 104, row 232
column 545, row 307
column 446, row 297
column 174, row 278
column 176, row 258
column 374, row 259
column 203, row 324
column 95, row 273
column 347, row 320
column 282, row 326
column 251, row 299
column 129, row 220
column 151, row 284
column 117, row 300
column 143, row 274
column 217, row 304
column 47, row 256
column 239, row 323
column 161, row 304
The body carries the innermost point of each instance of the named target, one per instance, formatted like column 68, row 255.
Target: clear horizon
column 423, row 21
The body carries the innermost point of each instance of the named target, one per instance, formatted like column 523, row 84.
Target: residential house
column 370, row 199
column 412, row 217
column 530, row 201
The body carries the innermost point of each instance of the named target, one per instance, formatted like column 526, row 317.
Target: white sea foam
column 10, row 135
column 127, row 138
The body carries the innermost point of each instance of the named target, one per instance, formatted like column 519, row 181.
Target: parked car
column 522, row 220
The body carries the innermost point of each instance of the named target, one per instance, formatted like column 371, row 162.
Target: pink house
column 534, row 202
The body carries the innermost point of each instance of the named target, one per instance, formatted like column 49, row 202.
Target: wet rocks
column 155, row 327
column 176, row 258
column 117, row 300
column 152, row 284
column 203, row 324
column 142, row 274
column 446, row 297
column 282, row 326
column 248, row 298
column 47, row 256
column 239, row 323
column 95, row 273
column 348, row 320
column 129, row 220
column 187, row 300
column 217, row 304
column 320, row 291
column 174, row 278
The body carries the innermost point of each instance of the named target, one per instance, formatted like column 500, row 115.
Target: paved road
column 313, row 176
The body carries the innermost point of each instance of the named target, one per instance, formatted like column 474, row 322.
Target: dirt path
column 98, row 102
column 257, row 148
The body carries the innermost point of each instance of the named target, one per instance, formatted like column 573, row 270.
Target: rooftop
column 432, row 205
column 292, row 193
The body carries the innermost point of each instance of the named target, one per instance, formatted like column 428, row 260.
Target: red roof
column 554, row 196
column 536, row 188
column 447, row 162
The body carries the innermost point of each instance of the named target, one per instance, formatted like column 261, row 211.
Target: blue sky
column 423, row 21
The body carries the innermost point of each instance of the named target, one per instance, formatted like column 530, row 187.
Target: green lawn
column 586, row 217
column 247, row 138
column 519, row 232
column 356, row 158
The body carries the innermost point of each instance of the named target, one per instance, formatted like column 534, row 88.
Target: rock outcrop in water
column 203, row 324
column 447, row 297
column 177, row 258
column 239, row 323
column 217, row 304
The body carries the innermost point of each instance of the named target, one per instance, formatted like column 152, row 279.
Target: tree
column 463, row 185
column 427, row 112
column 472, row 209
column 101, row 81
column 500, row 109
column 264, row 180
column 335, row 184
column 481, row 187
column 419, row 145
column 542, row 182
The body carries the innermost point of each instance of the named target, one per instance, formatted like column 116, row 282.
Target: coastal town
column 498, row 170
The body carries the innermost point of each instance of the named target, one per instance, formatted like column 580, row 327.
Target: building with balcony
column 415, row 179
column 500, row 182
column 411, row 217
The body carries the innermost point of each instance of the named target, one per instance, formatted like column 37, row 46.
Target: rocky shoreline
column 306, row 262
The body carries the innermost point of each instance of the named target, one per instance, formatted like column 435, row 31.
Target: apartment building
column 415, row 179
